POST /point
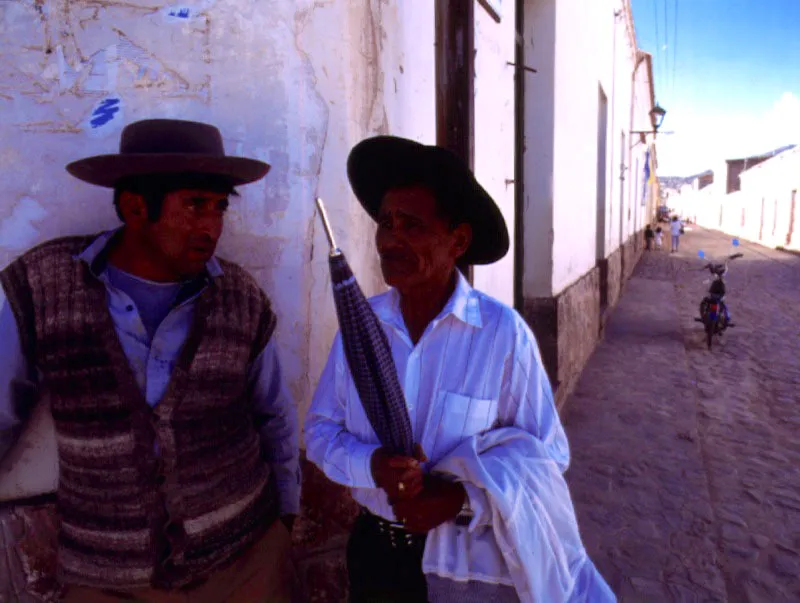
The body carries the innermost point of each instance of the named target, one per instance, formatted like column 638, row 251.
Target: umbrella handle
column 328, row 231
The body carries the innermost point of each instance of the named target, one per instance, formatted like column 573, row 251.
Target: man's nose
column 211, row 225
column 387, row 237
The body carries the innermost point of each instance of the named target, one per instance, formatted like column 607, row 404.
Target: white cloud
column 702, row 141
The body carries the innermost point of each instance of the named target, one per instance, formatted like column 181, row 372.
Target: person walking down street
column 676, row 228
column 460, row 519
column 659, row 237
column 649, row 235
column 177, row 438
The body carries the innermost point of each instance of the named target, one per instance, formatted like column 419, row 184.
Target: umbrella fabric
column 369, row 358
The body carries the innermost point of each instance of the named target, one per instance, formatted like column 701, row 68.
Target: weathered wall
column 295, row 84
column 277, row 83
column 614, row 276
column 578, row 330
column 569, row 324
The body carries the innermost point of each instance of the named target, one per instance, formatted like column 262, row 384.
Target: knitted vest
column 131, row 518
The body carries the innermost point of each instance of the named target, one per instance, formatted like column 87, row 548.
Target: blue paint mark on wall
column 180, row 13
column 104, row 112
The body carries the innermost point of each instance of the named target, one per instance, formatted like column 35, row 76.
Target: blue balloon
column 701, row 253
column 736, row 242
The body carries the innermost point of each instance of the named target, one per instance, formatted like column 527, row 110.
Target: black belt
column 392, row 532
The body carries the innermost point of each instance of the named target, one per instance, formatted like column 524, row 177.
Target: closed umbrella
column 368, row 354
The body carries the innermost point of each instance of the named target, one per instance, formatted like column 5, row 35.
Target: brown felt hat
column 378, row 164
column 167, row 146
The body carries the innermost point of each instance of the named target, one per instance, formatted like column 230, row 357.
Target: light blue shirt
column 152, row 359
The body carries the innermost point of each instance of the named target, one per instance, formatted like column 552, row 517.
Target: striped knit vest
column 131, row 518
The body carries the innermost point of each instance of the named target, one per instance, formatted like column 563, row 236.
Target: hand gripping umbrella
column 368, row 354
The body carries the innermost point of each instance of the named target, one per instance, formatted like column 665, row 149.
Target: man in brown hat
column 177, row 440
column 462, row 520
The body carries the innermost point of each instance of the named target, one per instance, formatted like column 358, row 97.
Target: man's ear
column 133, row 208
column 463, row 239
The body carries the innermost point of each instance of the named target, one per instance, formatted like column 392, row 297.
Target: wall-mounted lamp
column 657, row 113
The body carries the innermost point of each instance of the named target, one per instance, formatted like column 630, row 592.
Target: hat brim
column 378, row 164
column 107, row 170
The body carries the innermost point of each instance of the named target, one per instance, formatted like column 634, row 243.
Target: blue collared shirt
column 152, row 362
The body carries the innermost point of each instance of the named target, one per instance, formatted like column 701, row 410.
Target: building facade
column 761, row 207
column 587, row 195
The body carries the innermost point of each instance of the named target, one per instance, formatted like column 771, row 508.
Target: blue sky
column 729, row 77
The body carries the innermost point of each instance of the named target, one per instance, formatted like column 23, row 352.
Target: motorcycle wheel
column 709, row 334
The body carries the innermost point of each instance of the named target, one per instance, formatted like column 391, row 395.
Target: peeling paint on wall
column 18, row 230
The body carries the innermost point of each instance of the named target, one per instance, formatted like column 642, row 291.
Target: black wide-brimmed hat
column 378, row 164
column 167, row 146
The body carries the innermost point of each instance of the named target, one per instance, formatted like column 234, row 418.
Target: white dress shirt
column 475, row 368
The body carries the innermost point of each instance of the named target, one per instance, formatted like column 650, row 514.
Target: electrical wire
column 657, row 53
column 675, row 46
column 665, row 49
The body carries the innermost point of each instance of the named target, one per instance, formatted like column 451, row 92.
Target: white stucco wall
column 577, row 46
column 641, row 122
column 495, row 134
column 575, row 151
column 295, row 83
column 539, row 37
column 620, row 70
column 773, row 181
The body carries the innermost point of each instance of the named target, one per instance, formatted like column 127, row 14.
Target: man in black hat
column 468, row 365
column 177, row 440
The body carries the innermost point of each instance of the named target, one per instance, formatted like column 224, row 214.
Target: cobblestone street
column 686, row 462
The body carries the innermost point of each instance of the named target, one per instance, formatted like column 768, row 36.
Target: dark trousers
column 380, row 572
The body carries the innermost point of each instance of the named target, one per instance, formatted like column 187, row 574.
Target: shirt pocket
column 462, row 417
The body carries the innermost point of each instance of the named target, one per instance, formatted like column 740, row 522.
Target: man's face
column 186, row 234
column 417, row 246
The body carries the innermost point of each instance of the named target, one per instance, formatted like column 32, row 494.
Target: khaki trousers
column 263, row 574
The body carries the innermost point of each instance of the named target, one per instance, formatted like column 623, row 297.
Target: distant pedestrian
column 677, row 230
column 649, row 235
column 659, row 237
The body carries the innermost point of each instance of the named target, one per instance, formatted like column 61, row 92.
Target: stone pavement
column 686, row 463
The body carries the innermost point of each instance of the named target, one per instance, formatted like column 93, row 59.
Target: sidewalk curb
column 789, row 251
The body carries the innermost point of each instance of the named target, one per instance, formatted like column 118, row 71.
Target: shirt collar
column 96, row 255
column 464, row 304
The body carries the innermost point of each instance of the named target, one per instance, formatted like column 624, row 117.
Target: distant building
column 735, row 167
column 759, row 199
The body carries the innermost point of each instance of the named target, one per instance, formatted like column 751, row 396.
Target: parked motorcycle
column 713, row 311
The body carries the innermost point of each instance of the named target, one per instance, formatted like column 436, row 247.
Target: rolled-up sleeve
column 341, row 455
column 17, row 382
column 276, row 418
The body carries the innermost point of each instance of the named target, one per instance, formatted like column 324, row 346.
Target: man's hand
column 399, row 476
column 288, row 521
column 439, row 501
